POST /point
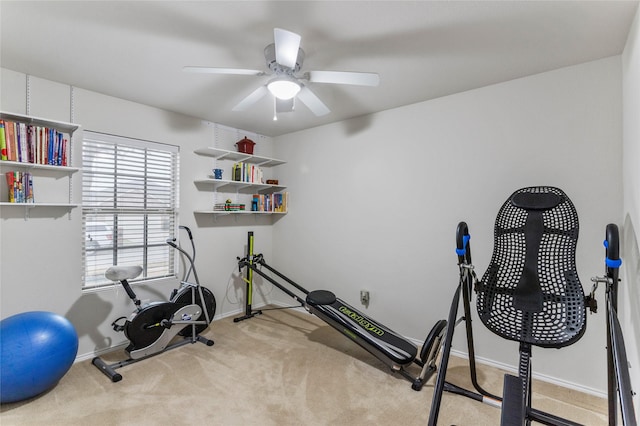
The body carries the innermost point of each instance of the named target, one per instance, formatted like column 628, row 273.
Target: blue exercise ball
column 37, row 349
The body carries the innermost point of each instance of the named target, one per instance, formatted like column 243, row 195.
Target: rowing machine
column 385, row 344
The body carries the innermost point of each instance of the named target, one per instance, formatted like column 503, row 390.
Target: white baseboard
column 416, row 342
column 506, row 367
column 122, row 344
column 537, row 376
column 98, row 352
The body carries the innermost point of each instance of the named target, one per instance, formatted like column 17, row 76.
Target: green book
column 3, row 142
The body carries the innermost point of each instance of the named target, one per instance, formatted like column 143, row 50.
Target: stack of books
column 20, row 186
column 244, row 172
column 228, row 207
column 276, row 202
column 27, row 143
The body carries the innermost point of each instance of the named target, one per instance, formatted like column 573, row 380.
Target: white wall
column 629, row 298
column 41, row 264
column 374, row 203
column 376, row 200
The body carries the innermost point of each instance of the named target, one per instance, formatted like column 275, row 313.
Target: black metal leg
column 440, row 380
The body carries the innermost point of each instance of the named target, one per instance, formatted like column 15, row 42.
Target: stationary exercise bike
column 152, row 327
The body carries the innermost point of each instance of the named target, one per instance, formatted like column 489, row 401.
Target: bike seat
column 119, row 273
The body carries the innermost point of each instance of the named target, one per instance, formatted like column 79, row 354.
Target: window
column 129, row 206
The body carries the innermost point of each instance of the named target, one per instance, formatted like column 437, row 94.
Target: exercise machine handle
column 612, row 262
column 612, row 246
column 463, row 249
column 191, row 258
column 186, row 228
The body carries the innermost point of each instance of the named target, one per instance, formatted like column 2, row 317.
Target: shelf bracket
column 27, row 214
column 28, row 95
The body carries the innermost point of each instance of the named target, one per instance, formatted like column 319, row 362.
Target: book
column 28, row 143
column 3, row 142
column 65, row 150
column 20, row 187
column 59, row 149
column 10, row 176
column 50, row 144
column 39, row 145
column 7, row 137
column 10, row 132
column 277, row 202
column 229, row 207
column 28, row 188
column 31, row 146
column 280, row 200
column 23, row 143
column 243, row 172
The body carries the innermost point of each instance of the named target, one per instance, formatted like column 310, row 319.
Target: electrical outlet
column 364, row 297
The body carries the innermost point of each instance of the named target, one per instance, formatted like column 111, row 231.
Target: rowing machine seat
column 320, row 297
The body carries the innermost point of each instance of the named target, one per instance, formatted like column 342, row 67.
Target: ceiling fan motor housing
column 275, row 67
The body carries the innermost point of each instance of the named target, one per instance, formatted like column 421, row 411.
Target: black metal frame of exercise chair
column 530, row 293
column 618, row 379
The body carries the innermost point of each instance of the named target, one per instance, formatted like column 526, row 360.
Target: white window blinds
column 129, row 206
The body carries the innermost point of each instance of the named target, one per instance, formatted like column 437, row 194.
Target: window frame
column 100, row 200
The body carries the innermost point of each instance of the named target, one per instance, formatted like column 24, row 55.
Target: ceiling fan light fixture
column 283, row 88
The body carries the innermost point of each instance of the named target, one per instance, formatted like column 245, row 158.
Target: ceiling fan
column 284, row 60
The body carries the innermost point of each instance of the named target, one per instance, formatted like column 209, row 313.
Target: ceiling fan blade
column 287, row 46
column 253, row 97
column 344, row 77
column 212, row 70
column 314, row 103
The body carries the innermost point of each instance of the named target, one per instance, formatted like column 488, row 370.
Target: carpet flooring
column 284, row 367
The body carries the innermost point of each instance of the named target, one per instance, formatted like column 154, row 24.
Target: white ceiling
column 422, row 50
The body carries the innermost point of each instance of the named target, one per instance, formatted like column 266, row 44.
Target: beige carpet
column 280, row 368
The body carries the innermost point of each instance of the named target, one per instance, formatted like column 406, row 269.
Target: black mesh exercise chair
column 530, row 294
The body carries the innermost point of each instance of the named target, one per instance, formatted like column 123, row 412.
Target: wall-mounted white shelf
column 235, row 186
column 224, row 189
column 44, row 175
column 240, row 212
column 27, row 166
column 33, row 205
column 61, row 170
column 223, row 154
column 28, row 206
column 36, row 121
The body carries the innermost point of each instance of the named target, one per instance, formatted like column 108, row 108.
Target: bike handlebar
column 191, row 258
column 188, row 231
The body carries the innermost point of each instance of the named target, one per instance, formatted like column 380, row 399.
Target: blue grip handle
column 463, row 250
column 611, row 263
